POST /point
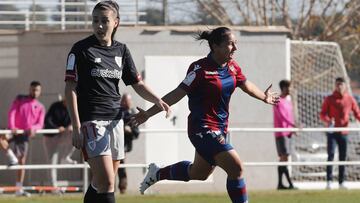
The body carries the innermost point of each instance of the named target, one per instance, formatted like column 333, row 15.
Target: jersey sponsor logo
column 189, row 78
column 118, row 60
column 70, row 62
column 97, row 60
column 106, row 73
column 211, row 73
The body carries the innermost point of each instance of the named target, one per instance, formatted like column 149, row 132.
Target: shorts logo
column 70, row 62
column 118, row 60
column 97, row 60
column 92, row 145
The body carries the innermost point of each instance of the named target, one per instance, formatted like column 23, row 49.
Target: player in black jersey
column 95, row 65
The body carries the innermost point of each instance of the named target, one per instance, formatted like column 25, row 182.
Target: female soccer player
column 209, row 84
column 95, row 66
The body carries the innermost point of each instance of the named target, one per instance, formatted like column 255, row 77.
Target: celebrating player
column 209, row 84
column 95, row 66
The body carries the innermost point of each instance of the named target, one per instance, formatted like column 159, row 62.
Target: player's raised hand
column 164, row 107
column 77, row 138
column 270, row 96
column 137, row 119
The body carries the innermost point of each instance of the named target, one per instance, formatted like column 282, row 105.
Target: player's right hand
column 77, row 139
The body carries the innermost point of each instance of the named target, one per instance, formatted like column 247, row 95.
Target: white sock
column 19, row 185
column 11, row 156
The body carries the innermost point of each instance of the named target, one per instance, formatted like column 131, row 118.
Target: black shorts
column 21, row 145
column 283, row 145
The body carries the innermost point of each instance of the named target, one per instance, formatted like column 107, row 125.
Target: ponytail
column 215, row 36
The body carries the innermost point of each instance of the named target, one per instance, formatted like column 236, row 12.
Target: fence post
column 62, row 14
column 86, row 177
column 27, row 20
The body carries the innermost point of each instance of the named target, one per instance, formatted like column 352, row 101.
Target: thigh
column 342, row 143
column 102, row 170
column 200, row 167
column 331, row 143
column 231, row 163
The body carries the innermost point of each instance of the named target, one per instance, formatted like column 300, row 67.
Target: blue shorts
column 209, row 144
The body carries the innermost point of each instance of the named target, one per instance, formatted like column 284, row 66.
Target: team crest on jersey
column 118, row 60
column 232, row 68
column 92, row 145
column 70, row 62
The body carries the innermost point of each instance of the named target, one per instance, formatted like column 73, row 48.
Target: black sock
column 106, row 197
column 287, row 175
column 90, row 195
column 280, row 173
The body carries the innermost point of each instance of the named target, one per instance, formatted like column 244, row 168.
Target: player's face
column 340, row 87
column 103, row 23
column 226, row 49
column 35, row 91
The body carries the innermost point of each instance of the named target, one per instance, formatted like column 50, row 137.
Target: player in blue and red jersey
column 95, row 66
column 209, row 85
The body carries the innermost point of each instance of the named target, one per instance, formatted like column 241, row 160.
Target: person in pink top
column 26, row 113
column 284, row 118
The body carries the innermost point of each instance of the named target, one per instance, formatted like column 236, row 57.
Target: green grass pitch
column 334, row 196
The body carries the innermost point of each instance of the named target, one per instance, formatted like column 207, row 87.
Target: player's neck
column 220, row 61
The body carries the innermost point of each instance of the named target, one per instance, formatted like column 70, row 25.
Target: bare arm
column 145, row 92
column 268, row 96
column 171, row 98
column 71, row 98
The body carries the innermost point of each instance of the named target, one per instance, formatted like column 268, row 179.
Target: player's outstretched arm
column 146, row 93
column 171, row 98
column 268, row 96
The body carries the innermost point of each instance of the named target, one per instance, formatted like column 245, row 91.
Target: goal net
column 314, row 67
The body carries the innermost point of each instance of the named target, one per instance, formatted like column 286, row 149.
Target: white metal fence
column 144, row 165
column 63, row 14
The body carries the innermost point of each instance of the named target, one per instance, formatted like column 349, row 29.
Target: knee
column 236, row 171
column 105, row 185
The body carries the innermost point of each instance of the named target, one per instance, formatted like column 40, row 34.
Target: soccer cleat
column 328, row 185
column 342, row 186
column 21, row 193
column 150, row 178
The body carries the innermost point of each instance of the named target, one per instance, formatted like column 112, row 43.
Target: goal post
column 314, row 67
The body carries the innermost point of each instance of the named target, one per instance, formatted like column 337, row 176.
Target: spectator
column 284, row 118
column 58, row 146
column 26, row 113
column 131, row 132
column 335, row 112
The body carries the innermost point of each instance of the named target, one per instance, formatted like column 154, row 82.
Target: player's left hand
column 271, row 97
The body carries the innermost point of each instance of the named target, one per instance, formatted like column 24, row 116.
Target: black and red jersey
column 97, row 71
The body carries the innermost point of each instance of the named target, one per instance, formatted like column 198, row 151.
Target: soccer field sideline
column 299, row 196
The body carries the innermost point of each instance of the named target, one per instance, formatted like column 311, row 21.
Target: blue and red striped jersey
column 209, row 88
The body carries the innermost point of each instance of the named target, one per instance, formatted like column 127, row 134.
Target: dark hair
column 284, row 83
column 109, row 5
column 35, row 83
column 339, row 79
column 215, row 36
